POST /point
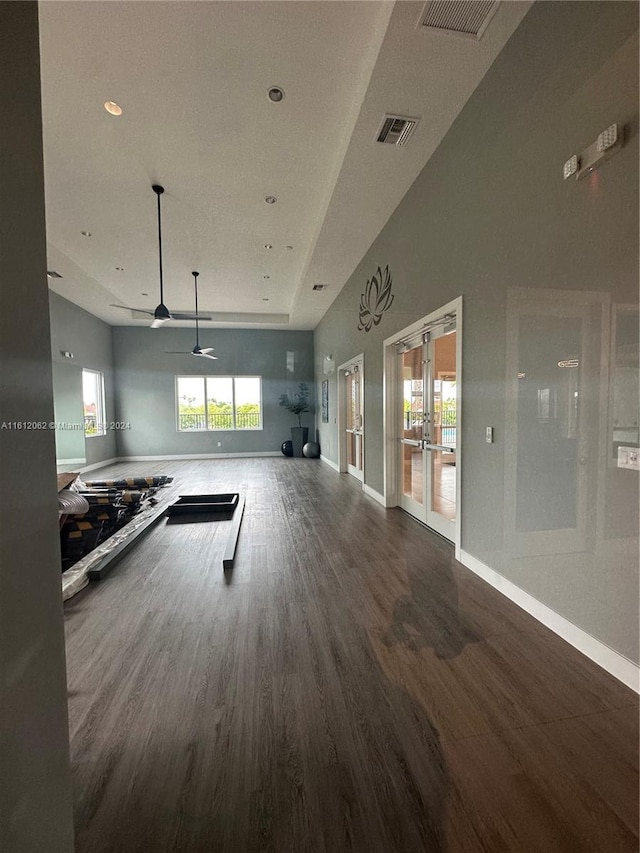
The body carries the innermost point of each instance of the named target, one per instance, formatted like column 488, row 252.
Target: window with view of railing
column 448, row 427
column 218, row 403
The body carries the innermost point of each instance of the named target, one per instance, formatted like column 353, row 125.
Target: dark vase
column 299, row 437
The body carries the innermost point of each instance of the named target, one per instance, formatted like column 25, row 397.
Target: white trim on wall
column 330, row 463
column 184, row 456
column 613, row 662
column 178, row 457
column 372, row 493
column 102, row 464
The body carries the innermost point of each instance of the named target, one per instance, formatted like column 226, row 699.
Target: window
column 219, row 402
column 93, row 397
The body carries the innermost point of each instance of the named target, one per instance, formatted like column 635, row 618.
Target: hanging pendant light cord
column 195, row 283
column 158, row 190
column 160, row 250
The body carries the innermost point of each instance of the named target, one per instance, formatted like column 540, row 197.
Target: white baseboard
column 185, row 456
column 329, row 463
column 102, row 464
column 373, row 494
column 613, row 662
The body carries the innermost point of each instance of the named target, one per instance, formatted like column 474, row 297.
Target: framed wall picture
column 325, row 401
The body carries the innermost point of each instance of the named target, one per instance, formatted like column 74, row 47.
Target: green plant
column 299, row 403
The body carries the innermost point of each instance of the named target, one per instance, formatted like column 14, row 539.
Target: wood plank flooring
column 346, row 687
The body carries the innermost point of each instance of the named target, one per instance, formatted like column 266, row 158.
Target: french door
column 353, row 420
column 427, row 426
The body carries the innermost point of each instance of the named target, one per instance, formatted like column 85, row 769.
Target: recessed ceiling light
column 86, row 233
column 268, row 246
column 276, row 94
column 271, row 199
column 113, row 108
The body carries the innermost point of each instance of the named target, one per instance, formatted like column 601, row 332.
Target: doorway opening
column 351, row 417
column 422, row 420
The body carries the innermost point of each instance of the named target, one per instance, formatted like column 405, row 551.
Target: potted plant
column 297, row 404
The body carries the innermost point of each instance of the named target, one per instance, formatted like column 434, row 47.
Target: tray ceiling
column 192, row 79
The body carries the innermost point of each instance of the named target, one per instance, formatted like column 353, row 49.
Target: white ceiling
column 192, row 80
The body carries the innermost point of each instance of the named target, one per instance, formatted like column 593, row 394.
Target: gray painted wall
column 145, row 386
column 90, row 340
column 69, row 416
column 491, row 213
column 35, row 783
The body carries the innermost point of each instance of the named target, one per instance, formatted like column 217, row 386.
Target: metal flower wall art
column 375, row 300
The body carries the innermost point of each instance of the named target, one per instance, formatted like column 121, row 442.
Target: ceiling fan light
column 160, row 316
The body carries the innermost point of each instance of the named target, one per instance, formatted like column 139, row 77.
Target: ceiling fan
column 203, row 352
column 161, row 313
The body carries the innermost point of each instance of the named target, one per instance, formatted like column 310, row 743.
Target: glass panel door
column 428, row 432
column 354, row 422
column 413, row 413
column 442, row 433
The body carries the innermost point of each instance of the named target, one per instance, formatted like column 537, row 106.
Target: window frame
column 207, row 428
column 101, row 404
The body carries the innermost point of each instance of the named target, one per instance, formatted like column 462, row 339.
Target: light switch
column 489, row 435
column 629, row 457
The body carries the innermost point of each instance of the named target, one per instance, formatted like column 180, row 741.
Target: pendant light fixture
column 161, row 314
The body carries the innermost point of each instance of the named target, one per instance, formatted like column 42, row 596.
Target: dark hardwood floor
column 346, row 687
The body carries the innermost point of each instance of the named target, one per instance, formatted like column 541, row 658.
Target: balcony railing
column 219, row 420
column 414, row 421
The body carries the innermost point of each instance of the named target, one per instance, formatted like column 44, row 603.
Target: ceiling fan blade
column 129, row 308
column 178, row 352
column 204, row 355
column 190, row 316
column 205, row 350
column 157, row 322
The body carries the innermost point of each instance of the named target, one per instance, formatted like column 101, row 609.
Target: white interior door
column 353, row 418
column 427, row 412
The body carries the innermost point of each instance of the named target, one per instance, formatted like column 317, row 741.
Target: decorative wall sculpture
column 375, row 300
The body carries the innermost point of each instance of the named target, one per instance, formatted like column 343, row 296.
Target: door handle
column 427, row 446
column 411, row 442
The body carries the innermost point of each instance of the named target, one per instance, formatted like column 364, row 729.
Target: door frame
column 390, row 392
column 342, row 414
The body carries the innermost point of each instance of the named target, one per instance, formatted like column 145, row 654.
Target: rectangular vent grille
column 464, row 17
column 320, row 286
column 396, row 130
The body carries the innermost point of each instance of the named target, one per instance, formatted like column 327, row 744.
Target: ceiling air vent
column 462, row 17
column 53, row 274
column 396, row 130
column 320, row 286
